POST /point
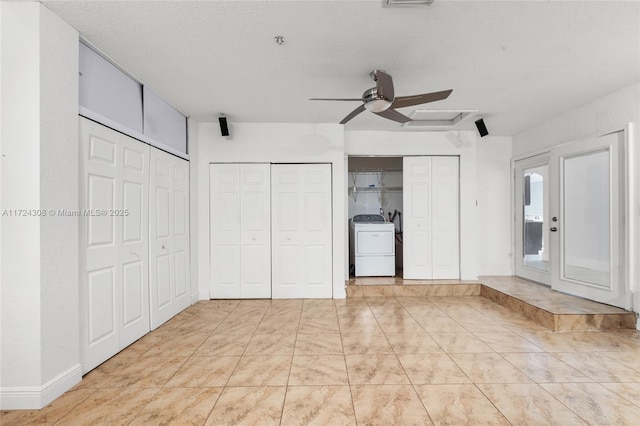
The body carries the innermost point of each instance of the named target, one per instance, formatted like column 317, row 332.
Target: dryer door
column 372, row 242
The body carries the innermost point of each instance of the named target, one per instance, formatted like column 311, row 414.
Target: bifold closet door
column 168, row 236
column 301, row 231
column 431, row 218
column 114, row 249
column 240, row 223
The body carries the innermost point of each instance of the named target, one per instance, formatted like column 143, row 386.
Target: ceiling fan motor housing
column 375, row 102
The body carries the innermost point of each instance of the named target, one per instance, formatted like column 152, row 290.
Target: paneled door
column 417, row 235
column 431, row 218
column 113, row 242
column 586, row 227
column 301, row 231
column 240, row 224
column 168, row 236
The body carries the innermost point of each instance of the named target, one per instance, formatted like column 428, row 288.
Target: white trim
column 36, row 397
column 94, row 116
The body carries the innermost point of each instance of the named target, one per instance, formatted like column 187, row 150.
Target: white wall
column 389, row 143
column 494, row 206
column 607, row 114
column 39, row 273
column 275, row 143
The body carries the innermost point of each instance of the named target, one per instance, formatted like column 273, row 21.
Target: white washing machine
column 372, row 246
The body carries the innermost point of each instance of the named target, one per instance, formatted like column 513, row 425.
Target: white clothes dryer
column 372, row 246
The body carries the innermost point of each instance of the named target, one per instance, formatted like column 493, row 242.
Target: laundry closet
column 406, row 208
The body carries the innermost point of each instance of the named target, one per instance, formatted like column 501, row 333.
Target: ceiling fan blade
column 405, row 101
column 335, row 99
column 384, row 85
column 394, row 115
column 353, row 114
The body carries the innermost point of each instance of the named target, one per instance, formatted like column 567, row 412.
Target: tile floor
column 378, row 360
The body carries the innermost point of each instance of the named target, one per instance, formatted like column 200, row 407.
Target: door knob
column 553, row 229
column 554, row 219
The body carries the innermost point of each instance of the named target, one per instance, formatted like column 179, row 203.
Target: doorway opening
column 375, row 189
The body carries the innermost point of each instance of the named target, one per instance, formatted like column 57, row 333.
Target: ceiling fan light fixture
column 377, row 105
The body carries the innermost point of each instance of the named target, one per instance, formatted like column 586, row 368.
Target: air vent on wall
column 440, row 118
column 405, row 3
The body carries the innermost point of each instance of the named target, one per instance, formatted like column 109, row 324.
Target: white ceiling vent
column 440, row 118
column 404, row 3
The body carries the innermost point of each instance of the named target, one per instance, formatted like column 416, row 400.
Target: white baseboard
column 36, row 397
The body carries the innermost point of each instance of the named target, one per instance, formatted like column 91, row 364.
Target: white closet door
column 301, row 230
column 431, row 211
column 180, row 233
column 134, row 240
column 444, row 213
column 99, row 292
column 255, row 237
column 114, row 243
column 224, row 223
column 417, row 234
column 168, row 236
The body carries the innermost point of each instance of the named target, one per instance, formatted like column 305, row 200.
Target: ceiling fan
column 382, row 101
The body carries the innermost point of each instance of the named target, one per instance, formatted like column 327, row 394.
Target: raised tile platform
column 551, row 309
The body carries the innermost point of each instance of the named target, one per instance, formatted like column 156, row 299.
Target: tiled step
column 551, row 309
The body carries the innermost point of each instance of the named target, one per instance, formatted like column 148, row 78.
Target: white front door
column 587, row 220
column 431, row 218
column 301, row 231
column 168, row 236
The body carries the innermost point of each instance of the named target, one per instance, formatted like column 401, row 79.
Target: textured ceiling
column 517, row 62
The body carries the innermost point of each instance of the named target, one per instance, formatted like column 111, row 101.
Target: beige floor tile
column 110, row 406
column 432, row 369
column 153, row 371
column 277, row 326
column 200, row 372
column 529, row 404
column 239, row 325
column 413, row 343
column 254, row 370
column 223, row 345
column 440, row 324
column 388, row 405
column 318, row 344
column 545, row 368
column 318, row 405
column 248, row 406
column 599, row 367
column 178, row 406
column 488, row 368
column 366, row 343
column 374, row 369
column 595, row 403
column 629, row 391
column 399, row 325
column 507, row 342
column 460, row 343
column 627, row 358
column 318, row 370
column 459, row 405
column 271, row 344
column 182, row 344
column 359, row 325
column 50, row 413
column 319, row 325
